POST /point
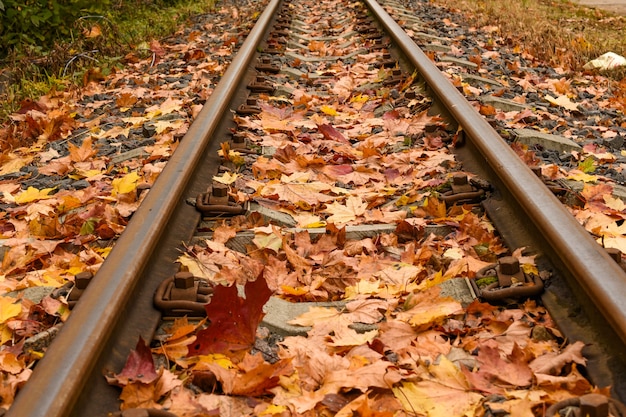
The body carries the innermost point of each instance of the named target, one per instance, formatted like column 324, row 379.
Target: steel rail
column 58, row 379
column 599, row 276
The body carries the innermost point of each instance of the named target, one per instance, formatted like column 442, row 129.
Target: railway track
column 282, row 86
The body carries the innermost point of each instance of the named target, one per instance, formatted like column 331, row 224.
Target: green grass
column 34, row 72
column 557, row 32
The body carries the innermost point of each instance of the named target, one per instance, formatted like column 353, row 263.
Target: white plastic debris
column 606, row 61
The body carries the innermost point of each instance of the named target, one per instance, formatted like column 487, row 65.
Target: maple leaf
column 83, row 153
column 168, row 106
column 331, row 133
column 112, row 133
column 126, row 100
column 252, row 376
column 513, row 371
column 562, row 101
column 14, row 163
column 306, row 194
column 10, row 363
column 31, row 194
column 9, row 385
column 234, row 320
column 362, row 407
column 445, row 393
column 329, row 110
column 344, row 213
column 268, row 237
column 226, row 178
column 8, row 308
column 175, row 347
column 427, row 307
column 326, row 321
column 552, row 362
column 139, row 367
column 126, row 184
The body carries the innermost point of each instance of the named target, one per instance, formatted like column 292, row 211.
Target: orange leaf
column 82, row 153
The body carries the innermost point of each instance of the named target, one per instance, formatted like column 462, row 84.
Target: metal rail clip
column 512, row 282
column 267, row 65
column 260, row 85
column 250, row 107
column 183, row 295
column 589, row 405
column 73, row 290
column 217, row 201
column 462, row 190
column 238, row 143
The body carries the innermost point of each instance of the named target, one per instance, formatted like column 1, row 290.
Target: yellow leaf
column 273, row 240
column 618, row 242
column 33, row 194
column 362, row 287
column 226, row 178
column 168, row 106
column 126, row 184
column 135, row 121
column 427, row 307
column 529, row 269
column 361, row 98
column 447, row 395
column 198, row 269
column 344, row 213
column 436, row 279
column 287, row 289
column 112, row 133
column 8, row 309
column 80, row 174
column 5, row 334
column 315, row 225
column 581, row 176
column 162, row 125
column 329, row 110
column 218, row 359
column 273, row 409
column 307, row 220
column 562, row 101
column 104, row 252
column 14, row 164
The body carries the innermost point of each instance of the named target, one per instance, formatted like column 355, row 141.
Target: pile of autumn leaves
column 50, row 234
column 413, row 351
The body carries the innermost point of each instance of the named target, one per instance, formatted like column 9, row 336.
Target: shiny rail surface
column 95, row 338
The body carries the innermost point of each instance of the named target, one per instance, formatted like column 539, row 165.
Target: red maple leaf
column 331, row 133
column 234, row 320
column 139, row 367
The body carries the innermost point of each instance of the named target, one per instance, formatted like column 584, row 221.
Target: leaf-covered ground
column 350, row 149
column 76, row 164
column 353, row 147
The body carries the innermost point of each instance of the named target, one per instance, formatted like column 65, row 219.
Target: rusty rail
column 83, row 340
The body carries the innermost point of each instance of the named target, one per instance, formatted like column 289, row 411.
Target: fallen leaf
column 139, row 367
column 233, row 320
column 562, row 101
column 446, row 394
column 126, row 184
column 342, row 213
column 32, row 194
